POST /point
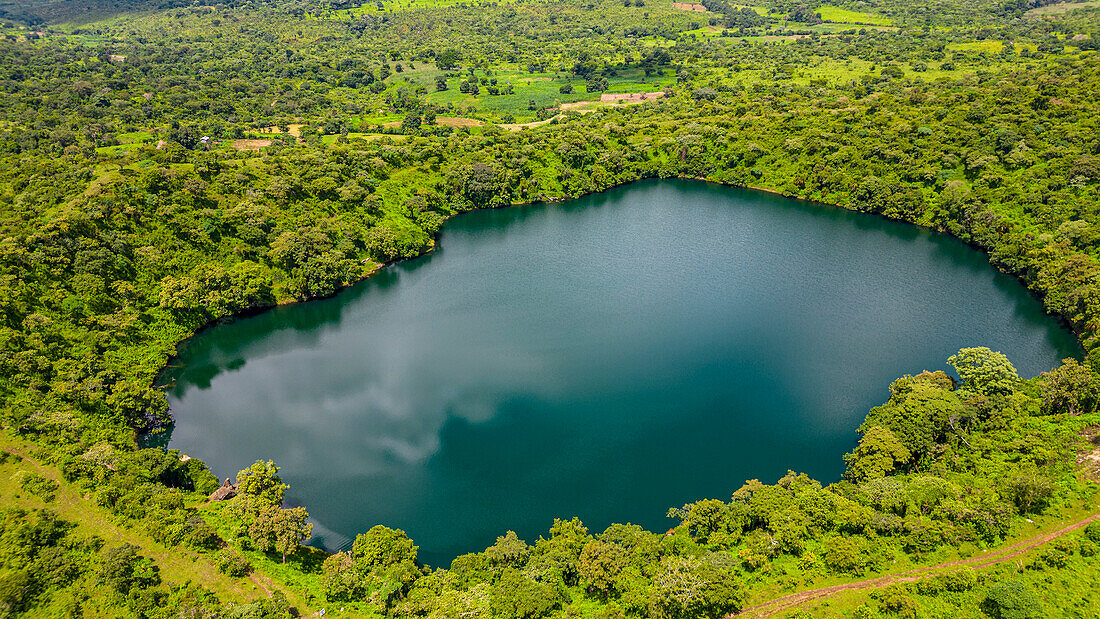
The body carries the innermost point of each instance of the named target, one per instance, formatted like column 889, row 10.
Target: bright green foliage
column 280, row 530
column 601, row 565
column 509, row 549
column 920, row 416
column 36, row 484
column 1029, row 489
column 847, row 555
column 706, row 518
column 516, row 595
column 231, row 563
column 956, row 582
column 342, row 582
column 469, row 569
column 1071, row 389
column 383, row 547
column 384, row 564
column 878, row 454
column 1012, row 599
column 966, row 118
column 896, row 602
column 1092, row 531
column 556, row 560
column 985, row 372
column 261, row 483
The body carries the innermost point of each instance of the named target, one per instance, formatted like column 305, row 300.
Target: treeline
column 109, row 259
column 941, row 467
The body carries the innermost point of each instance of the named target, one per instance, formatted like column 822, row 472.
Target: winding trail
column 1001, row 555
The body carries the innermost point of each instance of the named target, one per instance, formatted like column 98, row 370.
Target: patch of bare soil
column 294, row 130
column 578, row 106
column 251, row 144
column 454, row 121
column 1088, row 457
column 630, row 97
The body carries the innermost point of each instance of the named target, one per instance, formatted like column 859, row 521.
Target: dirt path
column 998, row 556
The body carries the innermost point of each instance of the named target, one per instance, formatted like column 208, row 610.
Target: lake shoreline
column 746, row 308
column 378, row 267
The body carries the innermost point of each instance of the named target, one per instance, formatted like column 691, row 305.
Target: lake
column 608, row 358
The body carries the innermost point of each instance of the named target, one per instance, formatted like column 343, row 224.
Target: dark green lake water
column 606, row 358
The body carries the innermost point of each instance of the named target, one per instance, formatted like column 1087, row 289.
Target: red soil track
column 998, row 556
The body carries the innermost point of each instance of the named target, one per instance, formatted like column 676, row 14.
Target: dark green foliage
column 123, row 570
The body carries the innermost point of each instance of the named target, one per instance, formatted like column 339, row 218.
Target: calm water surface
column 606, row 358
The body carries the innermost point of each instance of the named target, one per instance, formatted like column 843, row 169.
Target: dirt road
column 989, row 558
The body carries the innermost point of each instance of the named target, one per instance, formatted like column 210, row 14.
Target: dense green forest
column 167, row 166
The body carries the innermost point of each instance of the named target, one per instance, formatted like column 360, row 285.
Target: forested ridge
column 167, row 168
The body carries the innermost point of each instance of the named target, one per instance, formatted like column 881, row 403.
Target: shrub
column 895, row 600
column 199, row 534
column 1012, row 599
column 1054, row 557
column 961, row 580
column 846, row 555
column 1092, row 532
column 38, row 485
column 231, row 563
column 123, row 570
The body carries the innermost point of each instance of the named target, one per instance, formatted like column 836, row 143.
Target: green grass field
column 844, row 16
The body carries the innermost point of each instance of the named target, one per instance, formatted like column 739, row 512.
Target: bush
column 232, row 564
column 896, row 601
column 847, row 556
column 1054, row 557
column 1092, row 532
column 198, row 534
column 962, row 580
column 123, row 570
column 15, row 591
column 1012, row 599
column 42, row 487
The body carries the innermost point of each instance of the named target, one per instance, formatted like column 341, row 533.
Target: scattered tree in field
column 280, row 530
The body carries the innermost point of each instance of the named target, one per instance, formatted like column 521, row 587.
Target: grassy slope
column 1068, row 589
column 176, row 564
